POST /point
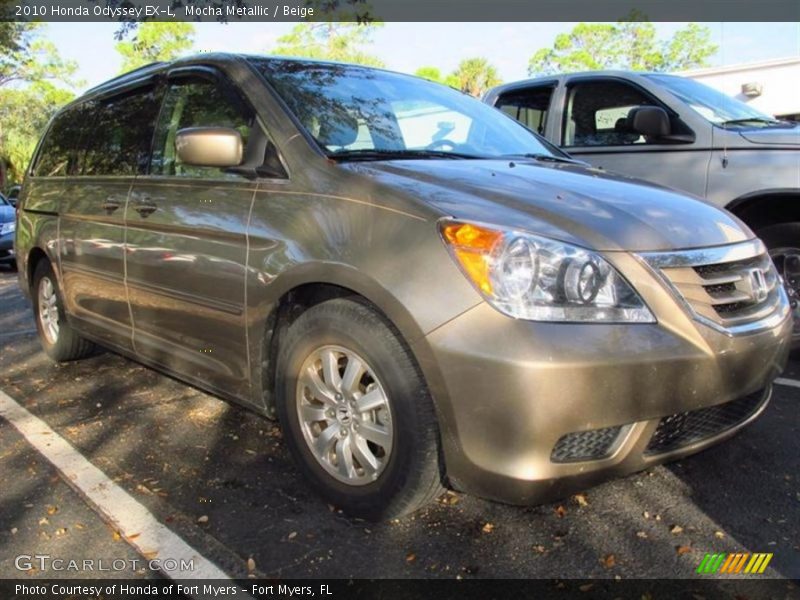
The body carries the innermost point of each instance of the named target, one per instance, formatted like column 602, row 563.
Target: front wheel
column 356, row 413
column 783, row 243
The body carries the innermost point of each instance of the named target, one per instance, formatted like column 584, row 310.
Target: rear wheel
column 783, row 242
column 59, row 340
column 356, row 412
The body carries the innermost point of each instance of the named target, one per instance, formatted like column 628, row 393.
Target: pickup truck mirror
column 651, row 121
column 209, row 146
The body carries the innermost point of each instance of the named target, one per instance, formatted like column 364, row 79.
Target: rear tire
column 368, row 439
column 59, row 340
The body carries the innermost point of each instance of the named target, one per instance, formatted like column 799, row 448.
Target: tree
column 24, row 113
column 26, row 58
column 630, row 45
column 475, row 76
column 342, row 42
column 156, row 42
column 434, row 74
column 30, row 69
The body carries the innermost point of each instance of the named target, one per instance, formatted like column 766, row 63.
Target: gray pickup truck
column 679, row 133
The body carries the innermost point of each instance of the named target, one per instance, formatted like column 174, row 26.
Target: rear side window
column 529, row 106
column 197, row 103
column 118, row 134
column 57, row 153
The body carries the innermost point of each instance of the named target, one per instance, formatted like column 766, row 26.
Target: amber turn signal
column 472, row 246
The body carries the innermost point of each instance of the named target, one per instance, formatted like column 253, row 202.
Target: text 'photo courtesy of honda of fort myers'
column 423, row 291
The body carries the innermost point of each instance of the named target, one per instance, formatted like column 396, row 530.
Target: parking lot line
column 135, row 523
column 788, row 382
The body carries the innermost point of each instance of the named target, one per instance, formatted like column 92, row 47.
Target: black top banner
column 399, row 10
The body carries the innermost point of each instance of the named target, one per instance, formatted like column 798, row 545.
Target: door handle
column 112, row 203
column 145, row 208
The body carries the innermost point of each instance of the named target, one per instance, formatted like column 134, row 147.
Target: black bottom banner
column 400, row 589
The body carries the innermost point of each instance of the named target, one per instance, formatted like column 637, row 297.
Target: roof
column 157, row 67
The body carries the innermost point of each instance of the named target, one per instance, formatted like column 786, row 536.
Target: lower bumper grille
column 586, row 445
column 681, row 429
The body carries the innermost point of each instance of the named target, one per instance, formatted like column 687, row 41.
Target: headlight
column 531, row 277
column 7, row 227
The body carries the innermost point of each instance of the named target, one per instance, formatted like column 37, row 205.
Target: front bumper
column 7, row 248
column 508, row 391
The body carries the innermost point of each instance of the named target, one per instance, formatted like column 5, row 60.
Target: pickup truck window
column 529, row 106
column 597, row 114
column 712, row 105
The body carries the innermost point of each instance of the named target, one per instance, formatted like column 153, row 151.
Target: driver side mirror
column 650, row 121
column 209, row 147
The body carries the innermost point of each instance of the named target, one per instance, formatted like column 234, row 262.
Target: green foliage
column 30, row 73
column 342, row 42
column 434, row 74
column 475, row 76
column 156, row 42
column 630, row 45
column 25, row 57
column 430, row 73
column 24, row 114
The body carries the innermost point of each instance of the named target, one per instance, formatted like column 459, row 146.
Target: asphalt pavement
column 221, row 478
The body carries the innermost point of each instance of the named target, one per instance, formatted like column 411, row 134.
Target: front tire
column 59, row 340
column 783, row 243
column 356, row 413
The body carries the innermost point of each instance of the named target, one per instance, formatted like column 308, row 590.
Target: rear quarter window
column 57, row 154
column 110, row 136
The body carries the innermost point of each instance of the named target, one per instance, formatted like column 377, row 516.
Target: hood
column 571, row 203
column 7, row 213
column 784, row 135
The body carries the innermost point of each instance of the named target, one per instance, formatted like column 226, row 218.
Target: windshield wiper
column 753, row 120
column 379, row 154
column 546, row 158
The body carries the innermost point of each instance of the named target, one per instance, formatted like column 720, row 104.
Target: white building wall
column 778, row 81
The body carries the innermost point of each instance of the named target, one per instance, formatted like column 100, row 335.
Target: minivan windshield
column 713, row 105
column 359, row 113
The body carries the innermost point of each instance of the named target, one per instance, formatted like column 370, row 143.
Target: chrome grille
column 729, row 287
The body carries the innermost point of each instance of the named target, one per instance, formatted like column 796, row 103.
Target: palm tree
column 476, row 75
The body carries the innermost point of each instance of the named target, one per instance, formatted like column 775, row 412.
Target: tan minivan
column 424, row 292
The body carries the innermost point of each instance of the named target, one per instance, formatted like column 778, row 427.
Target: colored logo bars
column 734, row 563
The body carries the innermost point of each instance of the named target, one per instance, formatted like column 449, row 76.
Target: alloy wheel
column 48, row 310
column 345, row 415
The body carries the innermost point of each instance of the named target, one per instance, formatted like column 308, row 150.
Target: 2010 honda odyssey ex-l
column 423, row 291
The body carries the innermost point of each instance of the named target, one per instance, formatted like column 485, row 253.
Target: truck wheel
column 59, row 340
column 356, row 413
column 783, row 242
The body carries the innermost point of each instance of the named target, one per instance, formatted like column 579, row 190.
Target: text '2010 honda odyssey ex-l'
column 423, row 291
